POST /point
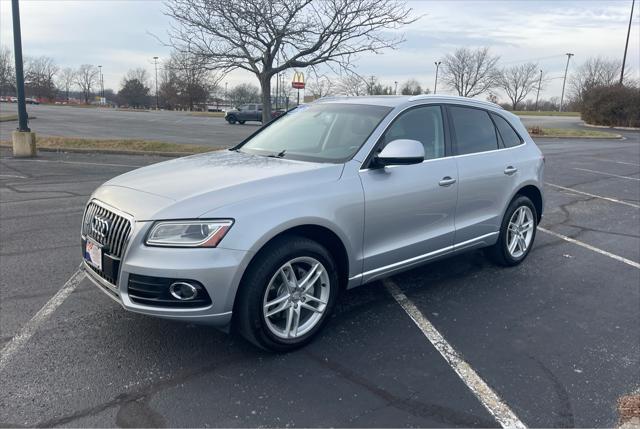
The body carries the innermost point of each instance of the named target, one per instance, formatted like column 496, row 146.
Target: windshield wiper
column 278, row 155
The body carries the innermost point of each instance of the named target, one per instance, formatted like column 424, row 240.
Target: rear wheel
column 241, row 122
column 517, row 233
column 287, row 294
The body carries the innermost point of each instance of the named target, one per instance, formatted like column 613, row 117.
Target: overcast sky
column 118, row 35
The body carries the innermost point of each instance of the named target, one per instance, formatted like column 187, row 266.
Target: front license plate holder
column 93, row 253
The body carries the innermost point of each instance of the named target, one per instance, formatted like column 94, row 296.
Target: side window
column 243, row 107
column 474, row 130
column 252, row 107
column 423, row 124
column 259, row 107
column 509, row 137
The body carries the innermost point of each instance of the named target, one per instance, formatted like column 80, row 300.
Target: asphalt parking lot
column 104, row 123
column 556, row 338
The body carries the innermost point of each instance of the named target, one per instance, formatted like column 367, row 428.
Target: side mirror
column 401, row 152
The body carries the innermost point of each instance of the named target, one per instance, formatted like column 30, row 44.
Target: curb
column 612, row 137
column 611, row 127
column 117, row 152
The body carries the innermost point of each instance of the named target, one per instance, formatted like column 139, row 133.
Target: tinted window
column 423, row 124
column 474, row 130
column 509, row 137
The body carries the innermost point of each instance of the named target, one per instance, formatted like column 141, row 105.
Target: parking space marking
column 607, row 174
column 634, row 264
column 613, row 200
column 30, row 328
column 491, row 401
column 72, row 162
column 15, row 176
column 619, row 162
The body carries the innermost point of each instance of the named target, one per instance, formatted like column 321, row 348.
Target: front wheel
column 287, row 294
column 231, row 119
column 517, row 233
column 241, row 122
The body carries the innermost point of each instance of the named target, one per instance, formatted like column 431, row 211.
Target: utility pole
column 569, row 55
column 155, row 62
column 277, row 88
column 624, row 58
column 539, row 85
column 226, row 96
column 435, row 85
column 395, row 89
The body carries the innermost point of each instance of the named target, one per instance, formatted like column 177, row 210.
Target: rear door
column 488, row 173
column 409, row 209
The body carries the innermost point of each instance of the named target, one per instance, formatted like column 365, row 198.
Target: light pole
column 100, row 81
column 564, row 81
column 226, row 95
column 155, row 62
column 624, row 58
column 435, row 85
column 395, row 89
column 539, row 85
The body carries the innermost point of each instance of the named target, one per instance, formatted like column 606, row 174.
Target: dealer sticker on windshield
column 93, row 254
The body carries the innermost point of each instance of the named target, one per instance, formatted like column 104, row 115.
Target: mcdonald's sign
column 298, row 80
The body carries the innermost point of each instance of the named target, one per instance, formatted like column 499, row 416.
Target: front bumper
column 219, row 270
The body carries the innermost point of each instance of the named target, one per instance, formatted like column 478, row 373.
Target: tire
column 231, row 119
column 501, row 253
column 241, row 122
column 264, row 283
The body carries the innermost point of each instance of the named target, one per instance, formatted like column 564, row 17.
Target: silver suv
column 262, row 238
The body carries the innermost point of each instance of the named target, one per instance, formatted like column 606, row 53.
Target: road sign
column 298, row 80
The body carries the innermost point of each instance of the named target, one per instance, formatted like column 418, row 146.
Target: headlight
column 186, row 233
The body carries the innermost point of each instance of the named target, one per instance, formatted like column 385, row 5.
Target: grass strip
column 115, row 145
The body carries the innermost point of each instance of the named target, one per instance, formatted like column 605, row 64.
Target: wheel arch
column 535, row 195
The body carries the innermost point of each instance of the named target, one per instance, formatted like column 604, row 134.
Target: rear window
column 509, row 137
column 474, row 130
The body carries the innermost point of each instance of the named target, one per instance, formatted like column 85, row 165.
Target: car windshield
column 330, row 132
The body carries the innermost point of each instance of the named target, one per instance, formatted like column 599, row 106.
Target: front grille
column 114, row 240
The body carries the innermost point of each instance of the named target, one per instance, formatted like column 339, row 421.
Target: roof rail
column 455, row 98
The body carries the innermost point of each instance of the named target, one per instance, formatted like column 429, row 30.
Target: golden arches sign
column 298, row 80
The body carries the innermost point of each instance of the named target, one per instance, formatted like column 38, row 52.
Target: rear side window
column 509, row 137
column 474, row 130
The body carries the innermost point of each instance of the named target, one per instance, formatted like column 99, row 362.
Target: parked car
column 262, row 238
column 31, row 100
column 244, row 113
column 13, row 99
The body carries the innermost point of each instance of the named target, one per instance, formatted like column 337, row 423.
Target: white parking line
column 613, row 200
column 619, row 162
column 607, row 174
column 491, row 401
column 634, row 264
column 15, row 176
column 30, row 328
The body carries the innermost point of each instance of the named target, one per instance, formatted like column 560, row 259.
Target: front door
column 409, row 209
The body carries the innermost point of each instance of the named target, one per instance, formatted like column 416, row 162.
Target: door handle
column 447, row 181
column 510, row 170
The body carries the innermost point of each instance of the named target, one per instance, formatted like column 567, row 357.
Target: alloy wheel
column 296, row 297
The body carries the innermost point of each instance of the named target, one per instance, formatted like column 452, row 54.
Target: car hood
column 191, row 186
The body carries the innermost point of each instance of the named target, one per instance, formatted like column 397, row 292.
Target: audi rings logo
column 100, row 227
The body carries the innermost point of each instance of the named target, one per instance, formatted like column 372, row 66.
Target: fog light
column 183, row 291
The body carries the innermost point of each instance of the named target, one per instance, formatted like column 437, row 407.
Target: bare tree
column 254, row 35
column 352, row 85
column 7, row 72
column 66, row 80
column 319, row 87
column 595, row 71
column 470, row 72
column 86, row 78
column 518, row 81
column 411, row 87
column 243, row 94
column 39, row 77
